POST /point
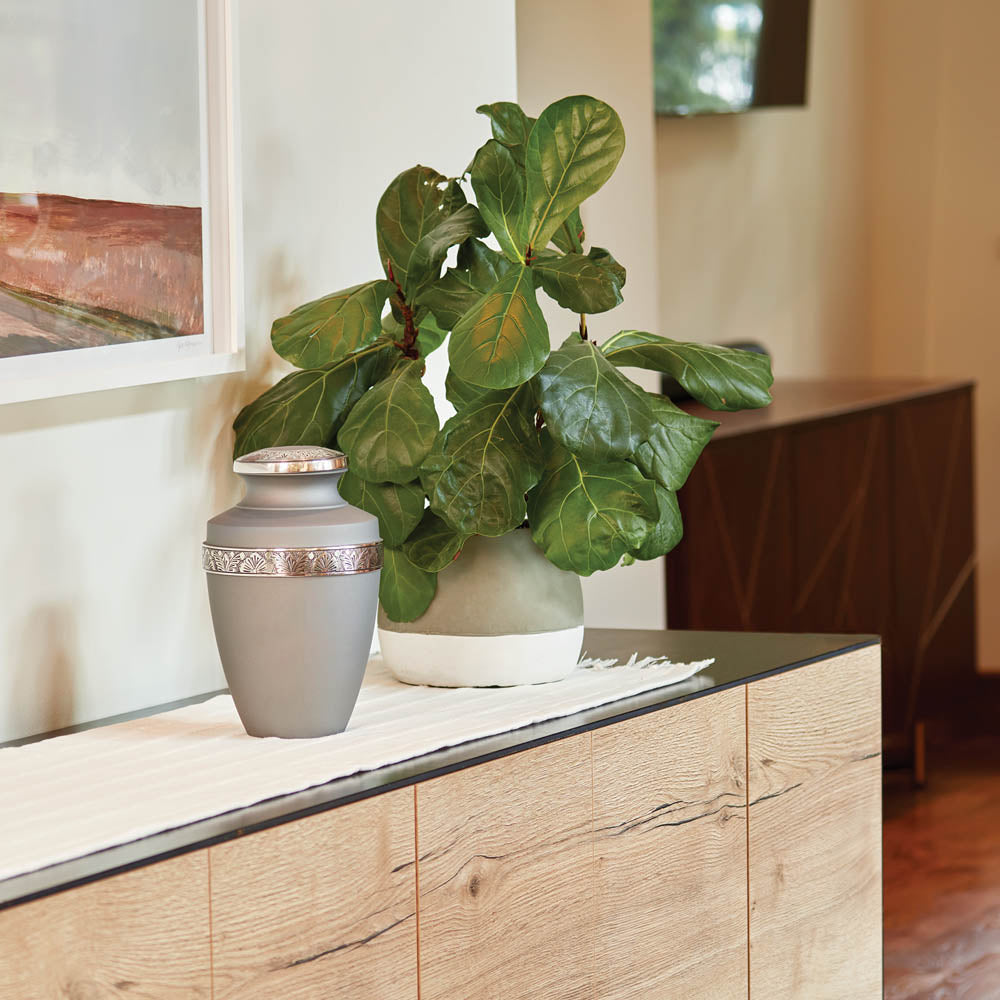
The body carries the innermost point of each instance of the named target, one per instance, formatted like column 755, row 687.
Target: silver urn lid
column 296, row 458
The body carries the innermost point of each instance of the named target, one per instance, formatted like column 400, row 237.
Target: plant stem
column 408, row 345
column 583, row 326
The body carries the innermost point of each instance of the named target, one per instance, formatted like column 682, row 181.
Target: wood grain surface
column 323, row 907
column 670, row 825
column 142, row 935
column 814, row 834
column 506, row 858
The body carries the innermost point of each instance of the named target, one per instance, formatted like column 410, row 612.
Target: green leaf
column 590, row 408
column 392, row 427
column 585, row 516
column 451, row 297
column 413, row 205
column 308, row 407
column 499, row 186
column 569, row 236
column 511, row 127
column 667, row 531
column 603, row 257
column 722, row 378
column 573, row 149
column 332, row 327
column 434, row 545
column 398, row 507
column 503, row 340
column 461, row 394
column 429, row 253
column 484, row 460
column 430, row 336
column 675, row 441
column 578, row 282
column 485, row 266
column 405, row 591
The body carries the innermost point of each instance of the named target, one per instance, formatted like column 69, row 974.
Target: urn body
column 293, row 574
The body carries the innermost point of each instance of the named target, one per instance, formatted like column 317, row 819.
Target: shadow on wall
column 44, row 667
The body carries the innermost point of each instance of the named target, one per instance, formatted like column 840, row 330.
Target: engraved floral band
column 340, row 560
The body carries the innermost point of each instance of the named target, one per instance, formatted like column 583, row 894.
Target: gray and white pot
column 502, row 615
column 293, row 574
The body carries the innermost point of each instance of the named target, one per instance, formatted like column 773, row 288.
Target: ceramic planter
column 502, row 615
column 293, row 574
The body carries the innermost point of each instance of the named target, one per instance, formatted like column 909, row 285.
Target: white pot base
column 481, row 660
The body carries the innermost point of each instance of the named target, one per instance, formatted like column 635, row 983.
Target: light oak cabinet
column 140, row 934
column 815, row 831
column 670, row 808
column 506, row 877
column 725, row 847
column 322, row 907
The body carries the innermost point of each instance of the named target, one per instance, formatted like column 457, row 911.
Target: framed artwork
column 120, row 235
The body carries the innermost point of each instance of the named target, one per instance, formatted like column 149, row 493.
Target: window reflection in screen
column 705, row 54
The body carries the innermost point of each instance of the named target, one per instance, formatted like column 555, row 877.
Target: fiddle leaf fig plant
column 561, row 437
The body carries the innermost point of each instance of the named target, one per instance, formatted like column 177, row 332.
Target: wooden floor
column 942, row 876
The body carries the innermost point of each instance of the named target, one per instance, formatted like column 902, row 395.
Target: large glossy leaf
column 570, row 235
column 720, row 377
column 478, row 269
column 589, row 406
column 484, row 460
column 308, row 407
column 332, row 327
column 511, row 127
column 585, row 516
column 578, row 282
column 430, row 252
column 603, row 257
column 667, row 531
column 675, row 441
column 451, row 297
column 573, row 149
column 392, row 427
column 485, row 266
column 502, row 340
column 405, row 591
column 414, row 204
column 499, row 186
column 461, row 394
column 430, row 336
column 434, row 544
column 398, row 506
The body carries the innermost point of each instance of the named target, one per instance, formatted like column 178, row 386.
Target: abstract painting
column 104, row 181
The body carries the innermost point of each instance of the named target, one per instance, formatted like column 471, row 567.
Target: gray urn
column 293, row 574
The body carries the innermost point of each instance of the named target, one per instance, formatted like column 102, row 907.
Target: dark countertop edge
column 835, row 412
column 341, row 791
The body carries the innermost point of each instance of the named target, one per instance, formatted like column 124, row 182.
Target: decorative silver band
column 339, row 560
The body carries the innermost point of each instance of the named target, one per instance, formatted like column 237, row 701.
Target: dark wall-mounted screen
column 718, row 58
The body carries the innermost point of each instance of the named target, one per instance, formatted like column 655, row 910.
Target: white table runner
column 70, row 796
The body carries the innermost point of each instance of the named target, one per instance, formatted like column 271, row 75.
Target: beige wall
column 934, row 160
column 761, row 216
column 594, row 47
column 105, row 496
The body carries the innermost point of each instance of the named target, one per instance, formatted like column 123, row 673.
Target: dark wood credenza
column 845, row 506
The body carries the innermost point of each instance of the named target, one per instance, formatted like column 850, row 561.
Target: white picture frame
column 220, row 348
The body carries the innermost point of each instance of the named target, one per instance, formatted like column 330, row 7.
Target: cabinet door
column 505, row 873
column 733, row 568
column 143, row 933
column 670, row 828
column 814, row 834
column 843, row 571
column 934, row 554
column 322, row 907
